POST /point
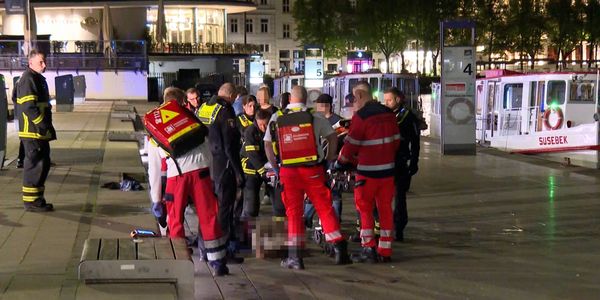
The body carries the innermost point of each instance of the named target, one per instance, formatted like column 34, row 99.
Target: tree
column 378, row 25
column 564, row 25
column 326, row 23
column 491, row 22
column 591, row 28
column 526, row 24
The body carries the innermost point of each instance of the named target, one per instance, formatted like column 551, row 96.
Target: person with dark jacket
column 246, row 118
column 224, row 138
column 35, row 131
column 407, row 158
column 256, row 165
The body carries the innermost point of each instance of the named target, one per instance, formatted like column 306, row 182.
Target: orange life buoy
column 547, row 118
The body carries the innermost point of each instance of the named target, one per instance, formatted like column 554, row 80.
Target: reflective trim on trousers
column 216, row 255
column 215, row 243
column 375, row 167
column 385, row 233
column 332, row 236
column 366, row 232
column 385, row 244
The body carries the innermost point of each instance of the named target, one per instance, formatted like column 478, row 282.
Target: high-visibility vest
column 208, row 113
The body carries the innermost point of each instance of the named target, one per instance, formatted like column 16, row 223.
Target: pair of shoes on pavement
column 369, row 255
column 39, row 205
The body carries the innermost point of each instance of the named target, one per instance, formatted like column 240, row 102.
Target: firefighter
column 35, row 131
column 245, row 119
column 296, row 132
column 224, row 138
column 407, row 158
column 264, row 100
column 255, row 165
column 372, row 140
column 188, row 177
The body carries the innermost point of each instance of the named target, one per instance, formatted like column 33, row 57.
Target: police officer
column 407, row 158
column 224, row 139
column 373, row 139
column 245, row 119
column 35, row 131
column 297, row 131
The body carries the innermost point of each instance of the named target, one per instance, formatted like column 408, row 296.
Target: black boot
column 341, row 253
column 39, row 205
column 366, row 255
column 219, row 267
column 294, row 259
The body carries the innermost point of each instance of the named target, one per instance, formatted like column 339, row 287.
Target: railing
column 78, row 55
column 202, row 48
column 511, row 121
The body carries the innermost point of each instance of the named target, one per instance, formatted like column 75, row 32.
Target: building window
column 286, row 31
column 284, row 54
column 264, row 25
column 264, row 48
column 264, row 2
column 234, row 25
column 286, row 6
column 298, row 54
column 249, row 26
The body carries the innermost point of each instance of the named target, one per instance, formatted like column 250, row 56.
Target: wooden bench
column 145, row 260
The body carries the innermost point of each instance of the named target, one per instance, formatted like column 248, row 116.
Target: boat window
column 513, row 95
column 582, row 91
column 556, row 92
column 479, row 98
column 386, row 83
column 532, row 93
column 399, row 83
column 409, row 88
column 374, row 84
column 294, row 82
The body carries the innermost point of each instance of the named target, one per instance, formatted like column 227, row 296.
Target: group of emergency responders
column 240, row 143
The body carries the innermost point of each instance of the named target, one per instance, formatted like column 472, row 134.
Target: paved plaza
column 491, row 226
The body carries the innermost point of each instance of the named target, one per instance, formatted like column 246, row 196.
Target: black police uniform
column 35, row 131
column 407, row 160
column 253, row 160
column 224, row 138
column 244, row 121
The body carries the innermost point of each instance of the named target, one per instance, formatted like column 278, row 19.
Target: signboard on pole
column 15, row 7
column 458, row 92
column 255, row 68
column 313, row 71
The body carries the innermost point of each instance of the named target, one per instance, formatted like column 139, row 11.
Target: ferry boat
column 554, row 115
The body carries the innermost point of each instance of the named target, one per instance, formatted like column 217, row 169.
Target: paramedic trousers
column 297, row 181
column 197, row 186
column 369, row 192
column 36, row 167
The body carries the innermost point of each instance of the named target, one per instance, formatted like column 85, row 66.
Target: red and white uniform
column 194, row 183
column 372, row 141
column 310, row 180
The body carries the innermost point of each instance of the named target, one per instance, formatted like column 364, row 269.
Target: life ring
column 465, row 119
column 546, row 118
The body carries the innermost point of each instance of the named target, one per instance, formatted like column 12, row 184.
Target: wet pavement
column 490, row 226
